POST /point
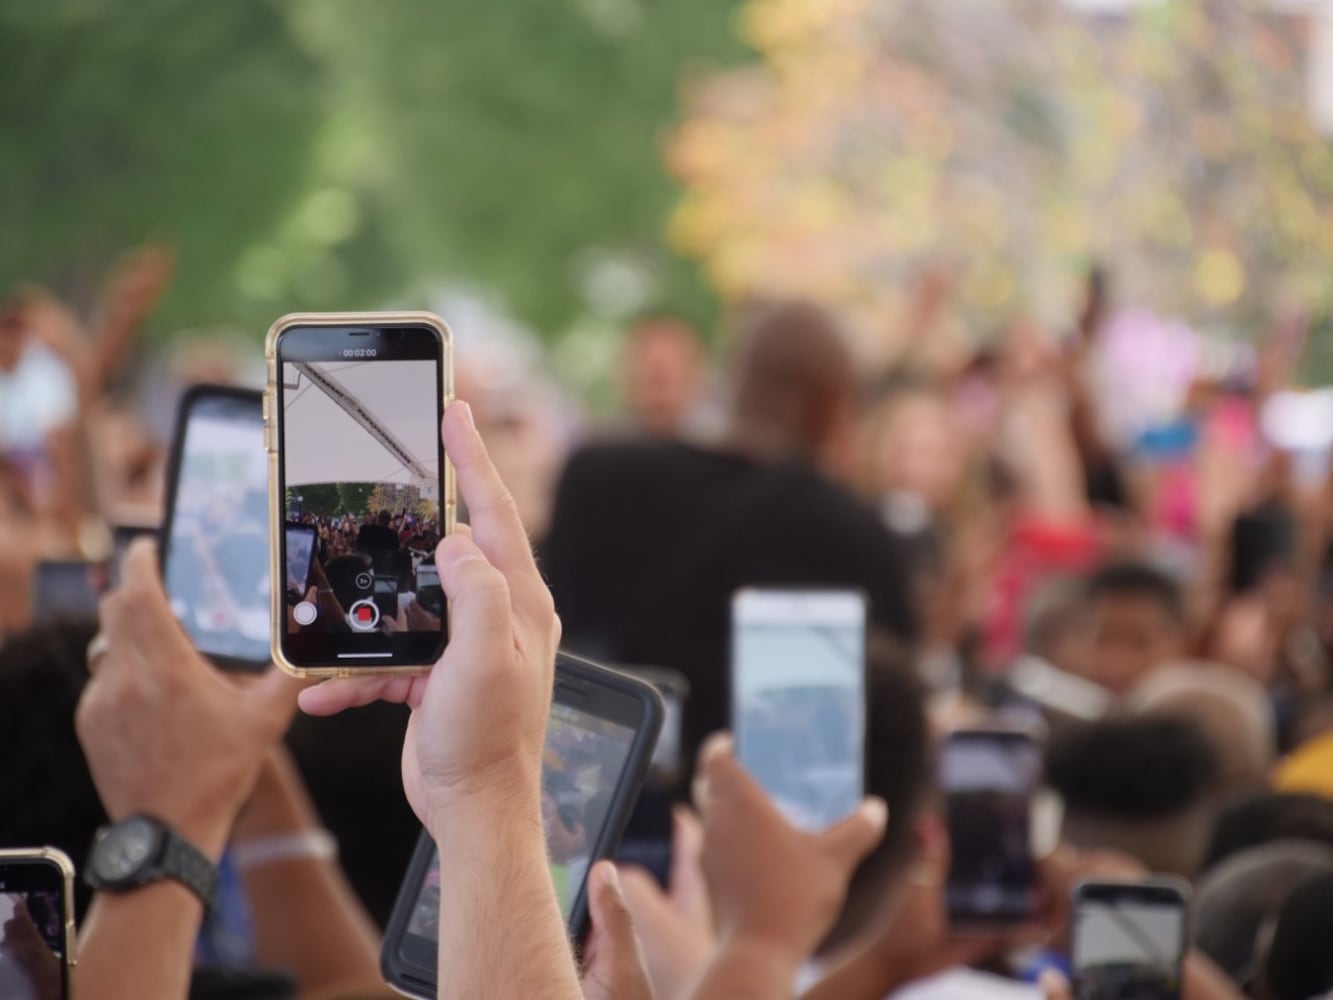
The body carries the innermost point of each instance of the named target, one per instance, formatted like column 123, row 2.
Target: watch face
column 125, row 849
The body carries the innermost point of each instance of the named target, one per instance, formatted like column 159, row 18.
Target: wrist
column 511, row 811
column 764, row 950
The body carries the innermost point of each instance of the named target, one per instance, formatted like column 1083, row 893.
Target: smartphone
column 36, row 923
column 215, row 534
column 798, row 698
column 429, row 593
column 352, row 412
column 66, row 589
column 599, row 739
column 302, row 541
column 1128, row 939
column 647, row 841
column 989, row 778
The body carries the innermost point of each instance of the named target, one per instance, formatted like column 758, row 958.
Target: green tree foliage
column 336, row 153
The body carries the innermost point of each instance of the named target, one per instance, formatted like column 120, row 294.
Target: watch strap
column 189, row 866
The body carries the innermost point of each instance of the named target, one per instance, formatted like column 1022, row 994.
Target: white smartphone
column 798, row 698
column 1128, row 939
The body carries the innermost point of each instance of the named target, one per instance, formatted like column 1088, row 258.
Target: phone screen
column 360, row 461
column 429, row 594
column 300, row 551
column 988, row 778
column 585, row 758
column 1128, row 941
column 798, row 699
column 33, row 920
column 216, row 556
column 66, row 590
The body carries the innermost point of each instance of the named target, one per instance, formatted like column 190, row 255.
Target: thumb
column 856, row 836
column 1054, row 986
column 615, row 968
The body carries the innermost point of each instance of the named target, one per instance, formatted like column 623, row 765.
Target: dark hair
column 1143, row 768
column 1137, row 579
column 1300, row 961
column 899, row 768
column 1267, row 817
column 45, row 783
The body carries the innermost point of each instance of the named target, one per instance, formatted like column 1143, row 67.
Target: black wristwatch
column 141, row 850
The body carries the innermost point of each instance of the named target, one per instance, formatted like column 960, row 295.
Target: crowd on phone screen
column 1032, row 537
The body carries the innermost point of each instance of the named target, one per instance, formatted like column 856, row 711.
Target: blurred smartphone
column 798, row 698
column 1128, row 939
column 36, row 923
column 66, row 589
column 215, row 540
column 989, row 777
column 429, row 593
column 302, row 541
column 353, row 408
column 599, row 738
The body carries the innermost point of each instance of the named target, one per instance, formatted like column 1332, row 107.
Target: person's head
column 1236, row 905
column 385, row 518
column 1300, row 961
column 1136, row 614
column 899, row 769
column 45, row 781
column 1232, row 708
column 915, row 444
column 793, row 386
column 1142, row 786
column 1269, row 816
column 1055, row 625
column 662, row 373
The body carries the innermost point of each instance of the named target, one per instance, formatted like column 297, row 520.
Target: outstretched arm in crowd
column 775, row 891
column 169, row 736
column 472, row 753
column 307, row 919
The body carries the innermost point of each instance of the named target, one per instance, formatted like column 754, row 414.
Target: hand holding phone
column 36, row 922
column 798, row 699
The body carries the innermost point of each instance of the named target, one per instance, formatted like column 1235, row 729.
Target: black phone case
column 419, row 982
column 187, row 402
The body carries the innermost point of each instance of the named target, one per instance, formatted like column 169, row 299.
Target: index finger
column 492, row 513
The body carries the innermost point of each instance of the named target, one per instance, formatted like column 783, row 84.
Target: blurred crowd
column 1067, row 524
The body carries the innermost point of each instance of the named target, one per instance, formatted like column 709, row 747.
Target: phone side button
column 268, row 437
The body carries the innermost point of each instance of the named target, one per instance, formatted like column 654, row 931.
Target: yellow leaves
column 1219, row 278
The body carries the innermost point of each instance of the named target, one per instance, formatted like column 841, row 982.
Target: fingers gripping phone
column 215, row 534
column 988, row 777
column 36, row 923
column 1128, row 939
column 798, row 698
column 599, row 739
column 352, row 421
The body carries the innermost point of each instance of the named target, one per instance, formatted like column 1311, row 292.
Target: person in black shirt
column 378, row 540
column 648, row 541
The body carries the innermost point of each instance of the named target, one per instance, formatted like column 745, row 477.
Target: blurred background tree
column 336, row 154
column 1012, row 144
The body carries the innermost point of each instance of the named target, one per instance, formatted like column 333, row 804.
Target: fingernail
column 610, row 877
column 466, row 414
column 876, row 810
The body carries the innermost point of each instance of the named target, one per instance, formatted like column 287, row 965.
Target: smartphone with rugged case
column 36, row 922
column 215, row 534
column 352, row 430
column 599, row 741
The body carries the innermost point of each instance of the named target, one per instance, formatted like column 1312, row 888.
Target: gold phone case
column 277, row 519
column 61, row 860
